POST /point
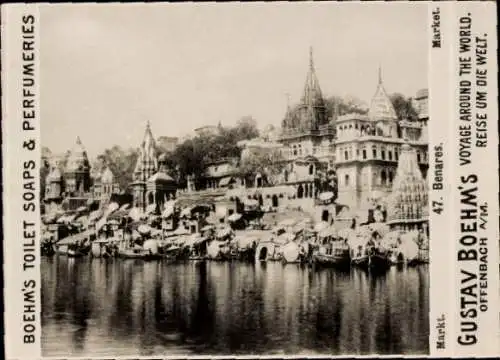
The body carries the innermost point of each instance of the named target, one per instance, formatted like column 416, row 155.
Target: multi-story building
column 363, row 149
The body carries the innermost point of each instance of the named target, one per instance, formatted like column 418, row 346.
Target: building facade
column 362, row 149
column 151, row 184
column 368, row 147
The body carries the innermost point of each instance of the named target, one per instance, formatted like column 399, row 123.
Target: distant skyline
column 107, row 69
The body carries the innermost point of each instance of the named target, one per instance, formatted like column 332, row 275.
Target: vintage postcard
column 250, row 179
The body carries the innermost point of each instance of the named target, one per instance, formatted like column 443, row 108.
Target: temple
column 146, row 166
column 151, row 185
column 408, row 202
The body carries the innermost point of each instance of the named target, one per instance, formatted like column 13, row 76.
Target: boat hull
column 379, row 262
column 361, row 261
column 74, row 253
column 133, row 254
column 331, row 260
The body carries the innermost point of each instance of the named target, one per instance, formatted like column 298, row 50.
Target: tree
column 403, row 107
column 265, row 160
column 191, row 156
column 45, row 168
column 337, row 105
column 121, row 162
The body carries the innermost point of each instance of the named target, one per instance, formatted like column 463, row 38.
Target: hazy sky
column 108, row 69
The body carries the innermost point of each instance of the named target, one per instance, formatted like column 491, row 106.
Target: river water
column 116, row 307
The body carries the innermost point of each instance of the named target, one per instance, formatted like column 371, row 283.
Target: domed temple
column 306, row 128
column 104, row 186
column 408, row 202
column 151, row 184
column 54, row 181
column 160, row 187
column 77, row 172
column 146, row 166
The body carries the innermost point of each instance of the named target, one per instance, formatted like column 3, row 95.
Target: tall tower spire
column 381, row 107
column 311, row 59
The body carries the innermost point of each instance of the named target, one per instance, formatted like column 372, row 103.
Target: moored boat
column 334, row 255
column 379, row 259
column 75, row 252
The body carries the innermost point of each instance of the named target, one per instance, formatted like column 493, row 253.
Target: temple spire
column 311, row 59
column 381, row 107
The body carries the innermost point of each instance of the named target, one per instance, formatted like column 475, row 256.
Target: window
column 346, row 155
column 374, row 152
column 382, row 153
column 418, row 156
column 346, row 179
column 383, row 177
column 294, row 150
column 390, row 154
column 364, row 153
column 390, row 177
column 311, row 169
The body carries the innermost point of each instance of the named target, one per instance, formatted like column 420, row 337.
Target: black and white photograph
column 234, row 179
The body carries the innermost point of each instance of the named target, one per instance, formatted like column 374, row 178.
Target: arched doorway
column 325, row 215
column 300, row 192
column 261, row 200
column 275, row 200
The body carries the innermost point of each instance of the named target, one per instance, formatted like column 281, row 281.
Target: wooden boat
column 379, row 260
column 102, row 248
column 396, row 257
column 266, row 251
column 335, row 255
column 47, row 249
column 133, row 253
column 75, row 253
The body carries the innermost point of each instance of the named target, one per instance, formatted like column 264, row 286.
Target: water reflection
column 119, row 307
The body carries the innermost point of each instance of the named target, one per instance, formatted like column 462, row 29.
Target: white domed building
column 105, row 186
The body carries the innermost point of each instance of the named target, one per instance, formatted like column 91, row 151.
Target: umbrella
column 329, row 231
column 221, row 211
column 100, row 223
column 181, row 231
column 224, row 232
column 380, row 228
column 207, row 227
column 135, row 214
column 144, row 229
column 285, row 238
column 234, row 217
column 326, row 196
column 94, row 215
column 345, row 233
column 186, row 212
column 320, row 226
column 150, row 208
column 111, row 208
column 251, row 202
column 169, row 210
column 288, row 222
column 124, row 207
